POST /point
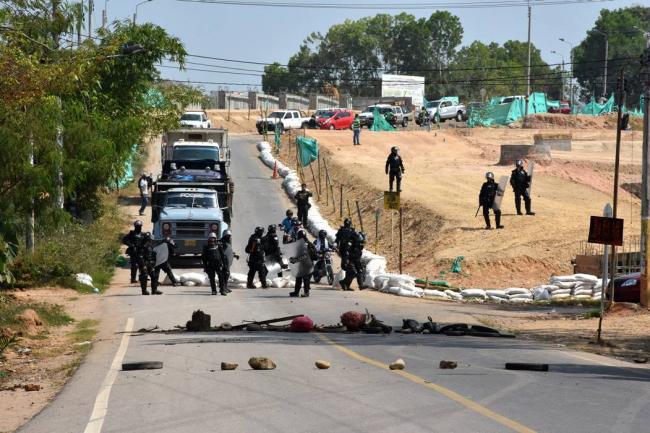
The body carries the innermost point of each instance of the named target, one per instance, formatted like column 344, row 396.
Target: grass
column 11, row 308
column 84, row 331
column 591, row 314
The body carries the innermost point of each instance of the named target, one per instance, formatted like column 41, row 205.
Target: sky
column 263, row 34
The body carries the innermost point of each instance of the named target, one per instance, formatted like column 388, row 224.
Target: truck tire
column 459, row 116
column 405, row 122
column 305, row 125
column 332, row 128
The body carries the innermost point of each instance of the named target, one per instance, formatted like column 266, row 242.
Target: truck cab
column 188, row 216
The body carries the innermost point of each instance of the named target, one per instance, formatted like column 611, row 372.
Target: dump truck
column 193, row 196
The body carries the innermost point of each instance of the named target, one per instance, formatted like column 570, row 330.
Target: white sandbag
column 189, row 283
column 582, row 297
column 238, row 278
column 550, row 287
column 409, row 293
column 563, row 279
column 394, row 290
column 167, row 281
column 596, row 296
column 520, row 301
column 561, row 292
column 279, row 282
column 380, row 282
column 199, row 279
column 498, row 293
column 497, row 299
column 517, row 291
column 473, row 293
column 583, row 292
column 521, row 296
column 454, row 295
column 583, row 286
column 564, row 284
column 435, row 293
column 340, row 275
column 237, row 285
column 559, row 296
column 84, row 279
column 586, row 277
column 541, row 293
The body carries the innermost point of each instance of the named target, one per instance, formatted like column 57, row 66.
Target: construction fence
column 224, row 99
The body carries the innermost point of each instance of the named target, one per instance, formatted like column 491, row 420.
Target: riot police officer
column 302, row 202
column 394, row 169
column 271, row 244
column 489, row 191
column 147, row 265
column 520, row 182
column 213, row 258
column 165, row 267
column 255, row 251
column 343, row 238
column 353, row 264
column 134, row 238
column 306, row 267
column 229, row 256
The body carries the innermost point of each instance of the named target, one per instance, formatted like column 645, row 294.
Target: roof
column 196, row 143
column 198, row 190
column 193, row 112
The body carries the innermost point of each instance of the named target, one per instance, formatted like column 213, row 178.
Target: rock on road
column 580, row 393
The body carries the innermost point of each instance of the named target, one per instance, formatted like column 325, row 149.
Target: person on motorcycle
column 323, row 266
column 296, row 227
column 354, row 266
column 322, row 244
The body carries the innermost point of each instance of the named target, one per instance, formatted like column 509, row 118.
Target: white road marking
column 101, row 402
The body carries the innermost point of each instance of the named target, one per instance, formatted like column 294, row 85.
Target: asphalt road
column 580, row 393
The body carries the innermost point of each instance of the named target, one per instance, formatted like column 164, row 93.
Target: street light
column 606, row 56
column 135, row 14
column 562, row 57
column 571, row 77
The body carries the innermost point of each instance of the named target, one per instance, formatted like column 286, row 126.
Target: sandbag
column 454, row 295
column 517, row 291
column 561, row 292
column 520, row 300
column 409, row 293
column 199, row 279
column 279, row 282
column 473, row 293
column 167, row 281
column 380, row 282
column 582, row 297
column 562, row 279
column 541, row 294
column 498, row 299
column 583, row 292
column 521, row 296
column 586, row 277
column 557, row 296
column 565, row 284
column 435, row 293
column 394, row 290
column 498, row 293
column 238, row 278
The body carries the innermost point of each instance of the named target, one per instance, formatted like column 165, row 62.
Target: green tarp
column 496, row 113
column 595, row 109
column 307, row 150
column 379, row 122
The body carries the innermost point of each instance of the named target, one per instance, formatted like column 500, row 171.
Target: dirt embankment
column 444, row 172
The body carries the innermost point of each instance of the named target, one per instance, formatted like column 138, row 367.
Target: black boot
column 497, row 220
column 143, row 286
column 528, row 211
column 294, row 294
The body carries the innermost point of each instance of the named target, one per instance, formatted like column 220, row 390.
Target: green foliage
column 11, row 308
column 625, row 41
column 276, row 78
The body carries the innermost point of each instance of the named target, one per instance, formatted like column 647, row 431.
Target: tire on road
column 526, row 366
column 405, row 122
column 144, row 365
column 459, row 116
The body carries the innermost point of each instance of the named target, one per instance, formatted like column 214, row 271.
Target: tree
column 626, row 44
column 276, row 78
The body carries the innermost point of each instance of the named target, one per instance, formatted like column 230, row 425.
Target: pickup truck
column 283, row 119
column 195, row 119
column 400, row 115
column 442, row 110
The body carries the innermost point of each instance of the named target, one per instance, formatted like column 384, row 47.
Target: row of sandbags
column 236, row 280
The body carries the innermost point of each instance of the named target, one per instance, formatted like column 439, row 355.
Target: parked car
column 341, row 119
column 195, row 119
column 320, row 116
column 564, row 108
column 627, row 288
column 446, row 109
column 284, row 119
column 400, row 115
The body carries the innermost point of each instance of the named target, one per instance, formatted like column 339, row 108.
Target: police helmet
column 271, row 228
column 301, row 234
column 289, row 213
column 347, row 223
column 394, row 149
column 212, row 236
column 322, row 234
column 520, row 163
column 226, row 233
column 489, row 175
column 137, row 223
column 147, row 236
column 259, row 231
column 361, row 237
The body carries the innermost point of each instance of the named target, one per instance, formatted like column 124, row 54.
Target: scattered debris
column 376, row 326
column 229, row 366
column 353, row 320
column 32, row 387
column 149, row 329
column 261, row 363
column 254, row 327
column 302, row 324
column 448, row 365
column 144, row 365
column 225, row 326
column 397, row 365
column 322, row 365
column 640, row 360
column 526, row 366
column 200, row 322
column 265, row 322
column 83, row 343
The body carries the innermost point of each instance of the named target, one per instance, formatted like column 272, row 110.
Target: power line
column 397, row 5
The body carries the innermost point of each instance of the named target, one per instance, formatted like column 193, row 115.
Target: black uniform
column 520, row 181
column 353, row 265
column 304, row 281
column 214, row 260
column 394, row 170
column 255, row 251
column 133, row 240
column 343, row 238
column 272, row 251
column 302, row 202
column 147, row 267
column 486, row 200
column 229, row 255
column 165, row 267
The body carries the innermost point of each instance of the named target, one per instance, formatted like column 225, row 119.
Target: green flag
column 307, row 150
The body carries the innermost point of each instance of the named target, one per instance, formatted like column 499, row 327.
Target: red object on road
column 302, row 324
column 342, row 119
column 353, row 320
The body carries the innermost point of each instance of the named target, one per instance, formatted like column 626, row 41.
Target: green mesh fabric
column 379, row 122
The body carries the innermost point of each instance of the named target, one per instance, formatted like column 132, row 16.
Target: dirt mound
column 567, row 121
column 237, row 121
column 30, row 321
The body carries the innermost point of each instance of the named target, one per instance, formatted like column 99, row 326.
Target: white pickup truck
column 446, row 109
column 283, row 119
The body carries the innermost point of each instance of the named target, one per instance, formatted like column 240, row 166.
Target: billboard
column 403, row 86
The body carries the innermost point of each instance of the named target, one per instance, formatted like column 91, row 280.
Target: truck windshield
column 276, row 115
column 191, row 117
column 433, row 104
column 191, row 199
column 195, row 153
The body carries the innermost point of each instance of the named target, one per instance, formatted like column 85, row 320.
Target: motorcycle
column 323, row 267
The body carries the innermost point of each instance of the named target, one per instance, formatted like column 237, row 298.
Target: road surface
column 580, row 393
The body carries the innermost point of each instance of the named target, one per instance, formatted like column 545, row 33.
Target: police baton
column 479, row 208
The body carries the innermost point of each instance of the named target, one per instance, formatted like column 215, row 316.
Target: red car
column 342, row 119
column 564, row 108
column 627, row 288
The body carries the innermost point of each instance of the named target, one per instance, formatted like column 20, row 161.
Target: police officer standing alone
column 213, row 258
column 133, row 240
column 255, row 251
column 520, row 182
column 147, row 266
column 302, row 202
column 394, row 169
column 486, row 197
column 353, row 264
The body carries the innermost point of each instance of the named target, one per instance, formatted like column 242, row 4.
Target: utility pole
column 90, row 19
column 605, row 74
column 571, row 77
column 528, row 74
column 621, row 94
column 80, row 22
column 645, row 189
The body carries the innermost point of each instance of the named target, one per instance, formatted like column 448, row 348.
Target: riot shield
column 162, row 253
column 303, row 266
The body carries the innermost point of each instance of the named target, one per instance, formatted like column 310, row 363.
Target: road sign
column 391, row 200
column 606, row 231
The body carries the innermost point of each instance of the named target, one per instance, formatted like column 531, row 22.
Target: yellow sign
column 391, row 200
